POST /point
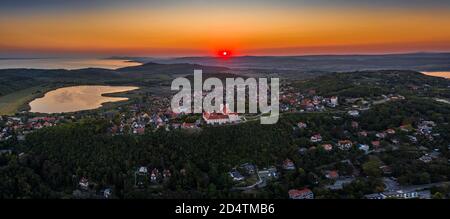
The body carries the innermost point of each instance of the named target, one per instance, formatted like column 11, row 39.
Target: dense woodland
column 56, row 158
column 51, row 161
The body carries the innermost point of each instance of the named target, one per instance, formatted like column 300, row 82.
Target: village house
column 327, row 147
column 84, row 183
column 337, row 118
column 387, row 170
column 288, row 165
column 307, row 105
column 301, row 194
column 236, row 175
column 249, row 169
column 166, row 174
column 268, row 174
column 333, row 174
column 139, row 130
column 405, row 128
column 21, row 137
column 390, row 131
column 340, row 183
column 140, row 176
column 302, row 150
column 355, row 124
column 426, row 127
column 142, row 170
column 188, row 125
column 334, row 101
column 427, row 158
column 354, row 113
column 362, row 133
column 381, row 135
column 395, row 97
column 364, row 147
column 413, row 139
column 5, row 151
column 376, row 144
column 395, row 141
column 183, row 172
column 154, row 176
column 345, row 144
column 176, row 125
column 316, row 138
column 107, row 193
column 223, row 117
column 301, row 125
column 399, row 194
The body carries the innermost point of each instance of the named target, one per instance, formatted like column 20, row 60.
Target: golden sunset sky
column 176, row 28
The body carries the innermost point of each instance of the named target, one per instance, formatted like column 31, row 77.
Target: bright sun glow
column 224, row 53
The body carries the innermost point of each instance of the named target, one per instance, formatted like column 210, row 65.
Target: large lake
column 66, row 63
column 443, row 74
column 77, row 98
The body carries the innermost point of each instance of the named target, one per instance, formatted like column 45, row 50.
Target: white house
column 301, row 194
column 223, row 117
column 316, row 138
column 334, row 101
column 353, row 113
column 345, row 144
column 364, row 147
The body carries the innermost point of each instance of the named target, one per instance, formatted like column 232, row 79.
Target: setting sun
column 225, row 54
column 279, row 28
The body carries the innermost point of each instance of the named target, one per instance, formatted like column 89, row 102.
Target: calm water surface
column 443, row 74
column 65, row 63
column 77, row 98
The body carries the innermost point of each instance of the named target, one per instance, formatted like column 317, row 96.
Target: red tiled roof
column 345, row 142
column 327, row 146
column 287, row 161
column 296, row 192
column 332, row 174
column 188, row 125
column 211, row 116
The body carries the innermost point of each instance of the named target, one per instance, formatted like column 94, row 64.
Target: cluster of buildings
column 394, row 191
column 85, row 190
column 367, row 142
column 248, row 176
column 223, row 117
column 154, row 114
column 400, row 194
column 304, row 193
column 389, row 97
column 19, row 127
column 425, row 128
column 363, row 104
column 307, row 104
column 372, row 141
column 137, row 118
column 291, row 100
column 143, row 176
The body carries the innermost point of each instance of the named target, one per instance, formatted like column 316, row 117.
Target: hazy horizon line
column 113, row 56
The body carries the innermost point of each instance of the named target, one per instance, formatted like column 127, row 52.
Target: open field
column 14, row 102
column 18, row 101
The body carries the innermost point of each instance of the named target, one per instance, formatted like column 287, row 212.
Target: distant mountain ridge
column 159, row 68
column 326, row 63
column 15, row 79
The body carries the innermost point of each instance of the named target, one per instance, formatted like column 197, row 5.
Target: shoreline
column 440, row 74
column 119, row 94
